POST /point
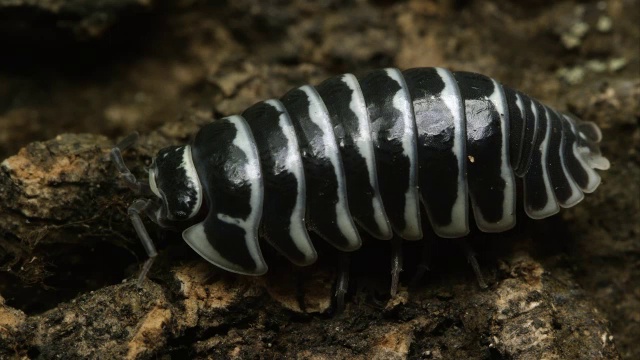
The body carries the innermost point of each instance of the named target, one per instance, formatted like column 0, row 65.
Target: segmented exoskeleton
column 355, row 155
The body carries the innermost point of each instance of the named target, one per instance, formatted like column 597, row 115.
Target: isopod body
column 352, row 155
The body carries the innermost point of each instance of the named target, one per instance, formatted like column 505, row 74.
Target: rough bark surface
column 75, row 76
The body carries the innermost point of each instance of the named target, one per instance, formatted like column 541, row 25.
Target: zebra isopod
column 355, row 155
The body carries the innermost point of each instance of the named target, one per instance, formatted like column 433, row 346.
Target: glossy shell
column 352, row 155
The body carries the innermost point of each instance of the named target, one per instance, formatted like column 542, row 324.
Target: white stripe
column 152, row 182
column 195, row 235
column 192, row 176
column 594, row 129
column 576, row 194
column 245, row 142
column 520, row 105
column 297, row 228
column 523, row 116
column 597, row 161
column 196, row 238
column 319, row 115
column 594, row 179
column 508, row 219
column 364, row 145
column 580, row 154
column 594, row 159
column 402, row 102
column 551, row 207
column 452, row 98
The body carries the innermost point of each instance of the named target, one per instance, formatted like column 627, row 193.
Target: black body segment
column 284, row 181
column 561, row 187
column 348, row 114
column 539, row 199
column 589, row 132
column 588, row 139
column 440, row 125
column 566, row 191
column 327, row 208
column 226, row 159
column 175, row 183
column 367, row 151
column 573, row 161
column 394, row 139
column 587, row 153
column 517, row 126
column 489, row 173
column 530, row 133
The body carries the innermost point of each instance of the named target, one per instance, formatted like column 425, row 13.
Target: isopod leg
column 471, row 258
column 135, row 210
column 396, row 264
column 342, row 282
column 118, row 161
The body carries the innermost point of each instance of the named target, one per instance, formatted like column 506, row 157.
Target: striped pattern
column 489, row 174
column 173, row 175
column 367, row 151
column 227, row 161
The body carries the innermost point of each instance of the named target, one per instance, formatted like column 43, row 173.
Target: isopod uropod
column 354, row 155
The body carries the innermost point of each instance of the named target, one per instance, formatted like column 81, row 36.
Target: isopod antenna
column 139, row 206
